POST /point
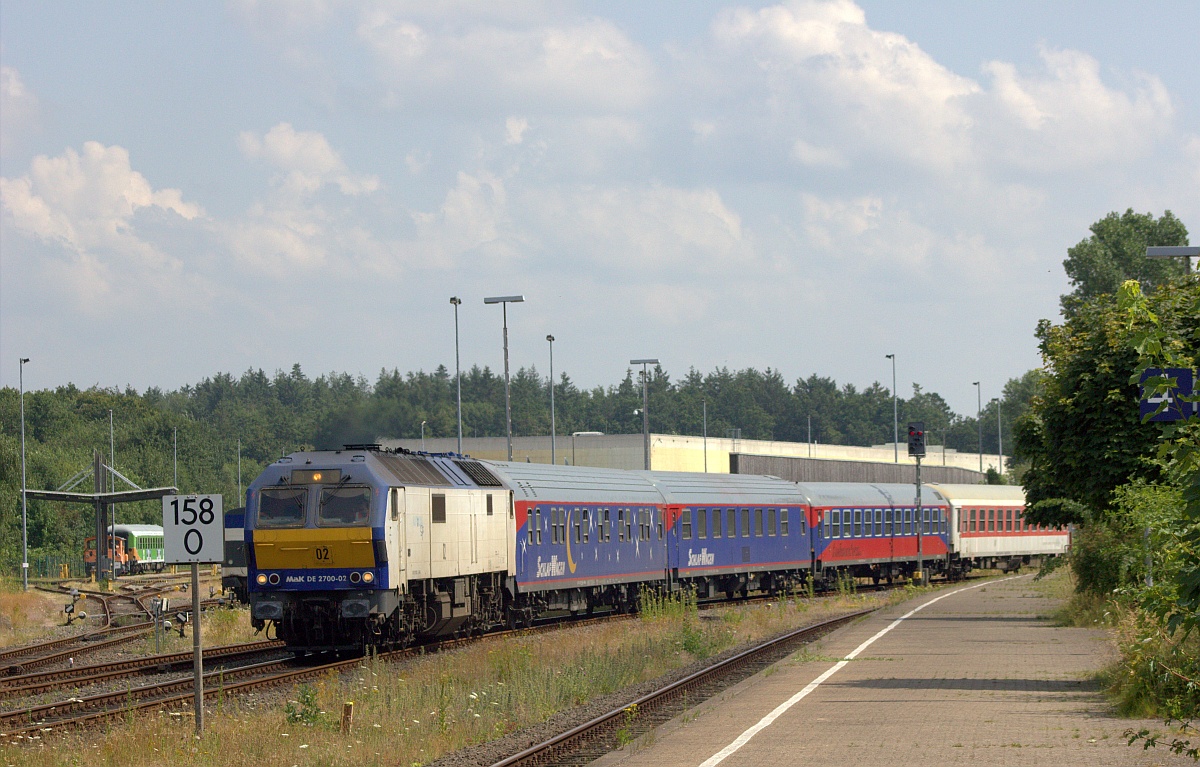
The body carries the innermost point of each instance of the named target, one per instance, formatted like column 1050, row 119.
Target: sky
column 191, row 188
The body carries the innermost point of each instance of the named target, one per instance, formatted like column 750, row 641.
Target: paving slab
column 981, row 675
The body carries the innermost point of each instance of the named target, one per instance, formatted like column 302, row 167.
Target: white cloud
column 91, row 205
column 808, row 154
column 18, row 107
column 587, row 65
column 307, row 160
column 872, row 91
column 1067, row 116
column 514, row 130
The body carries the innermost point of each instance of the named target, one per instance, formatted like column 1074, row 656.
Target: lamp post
column 456, row 301
column 423, row 436
column 112, row 459
column 504, row 301
column 550, row 338
column 645, row 406
column 895, row 413
column 999, row 439
column 704, row 405
column 979, row 421
column 1184, row 252
column 24, row 512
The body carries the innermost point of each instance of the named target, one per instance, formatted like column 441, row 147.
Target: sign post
column 194, row 533
column 916, row 449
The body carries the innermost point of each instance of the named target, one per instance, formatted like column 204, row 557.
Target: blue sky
column 191, row 188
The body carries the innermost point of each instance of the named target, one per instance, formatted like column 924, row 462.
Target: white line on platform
column 766, row 721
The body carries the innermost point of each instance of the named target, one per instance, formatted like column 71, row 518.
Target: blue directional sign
column 1177, row 409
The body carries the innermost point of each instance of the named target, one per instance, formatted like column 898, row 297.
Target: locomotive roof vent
column 478, row 472
column 373, row 447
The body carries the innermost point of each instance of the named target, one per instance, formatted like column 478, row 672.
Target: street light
column 895, row 412
column 999, row 439
column 423, row 436
column 455, row 300
column 504, row 301
column 645, row 407
column 979, row 421
column 24, row 512
column 1184, row 252
column 550, row 338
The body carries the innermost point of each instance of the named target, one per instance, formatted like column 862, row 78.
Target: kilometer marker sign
column 193, row 529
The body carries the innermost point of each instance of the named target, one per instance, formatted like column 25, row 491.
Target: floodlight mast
column 645, row 407
column 504, row 301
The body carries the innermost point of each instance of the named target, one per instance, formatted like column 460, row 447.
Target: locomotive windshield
column 282, row 506
column 345, row 505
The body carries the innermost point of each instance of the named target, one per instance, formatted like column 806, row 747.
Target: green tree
column 1082, row 435
column 1116, row 251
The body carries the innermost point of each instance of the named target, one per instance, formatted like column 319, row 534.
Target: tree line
column 259, row 417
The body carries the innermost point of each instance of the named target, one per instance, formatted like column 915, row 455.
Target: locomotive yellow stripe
column 305, row 549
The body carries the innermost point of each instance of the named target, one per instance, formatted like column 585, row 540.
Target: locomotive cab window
column 438, row 501
column 282, row 506
column 344, row 506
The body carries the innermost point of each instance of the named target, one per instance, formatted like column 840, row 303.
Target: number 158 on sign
column 193, row 529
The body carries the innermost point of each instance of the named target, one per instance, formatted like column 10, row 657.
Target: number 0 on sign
column 193, row 529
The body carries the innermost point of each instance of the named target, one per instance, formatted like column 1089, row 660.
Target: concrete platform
column 978, row 677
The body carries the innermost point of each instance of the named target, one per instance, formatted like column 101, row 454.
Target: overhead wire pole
column 550, row 338
column 456, row 302
column 979, row 422
column 645, row 406
column 895, row 412
column 999, row 440
column 504, row 301
column 24, row 489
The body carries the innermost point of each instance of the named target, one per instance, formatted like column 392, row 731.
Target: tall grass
column 413, row 712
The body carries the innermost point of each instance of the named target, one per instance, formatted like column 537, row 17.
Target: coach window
column 578, row 528
column 685, row 525
column 716, row 525
column 1008, row 515
column 620, row 524
column 701, row 523
column 887, row 521
column 783, row 521
column 772, row 522
column 585, row 523
column 606, row 526
column 972, row 522
column 838, row 530
column 857, row 522
column 629, row 525
column 537, row 527
column 1019, row 522
column 745, row 523
column 731, row 523
column 991, row 520
column 758, row 523
column 910, row 522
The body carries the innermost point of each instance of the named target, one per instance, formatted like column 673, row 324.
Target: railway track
column 602, row 735
column 15, row 687
column 177, row 693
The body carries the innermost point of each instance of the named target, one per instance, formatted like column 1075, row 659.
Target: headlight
column 261, row 580
column 355, row 577
column 368, row 577
column 274, row 579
